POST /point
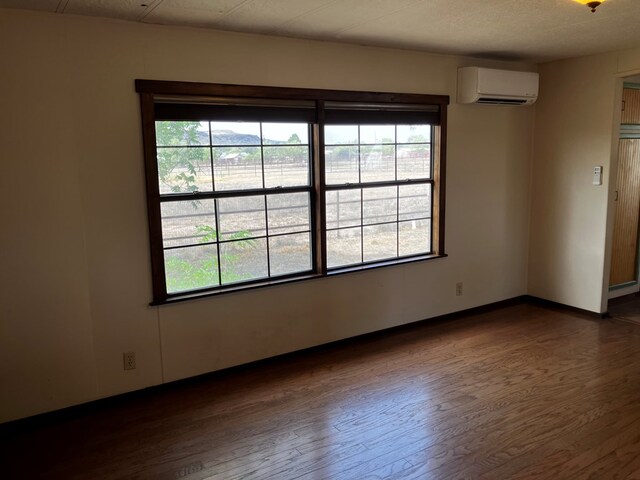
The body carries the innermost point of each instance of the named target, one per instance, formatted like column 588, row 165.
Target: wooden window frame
column 153, row 91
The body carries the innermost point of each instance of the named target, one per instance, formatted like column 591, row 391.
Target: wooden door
column 631, row 106
column 624, row 259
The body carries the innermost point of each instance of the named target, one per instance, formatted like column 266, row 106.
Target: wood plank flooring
column 627, row 307
column 522, row 392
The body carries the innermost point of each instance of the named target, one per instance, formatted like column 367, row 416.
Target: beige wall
column 571, row 219
column 75, row 275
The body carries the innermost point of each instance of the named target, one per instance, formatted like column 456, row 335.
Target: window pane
column 235, row 133
column 343, row 208
column 191, row 268
column 241, row 217
column 415, row 201
column 414, row 161
column 341, row 165
column 170, row 134
column 414, row 133
column 243, row 260
column 341, row 135
column 290, row 253
column 188, row 222
column 377, row 134
column 285, row 133
column 343, row 247
column 380, row 242
column 288, row 212
column 237, row 168
column 377, row 163
column 286, row 166
column 184, row 169
column 415, row 237
column 380, row 205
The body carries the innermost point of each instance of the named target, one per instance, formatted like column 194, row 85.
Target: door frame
column 619, row 79
column 628, row 131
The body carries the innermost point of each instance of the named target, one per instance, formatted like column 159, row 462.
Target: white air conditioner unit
column 496, row 87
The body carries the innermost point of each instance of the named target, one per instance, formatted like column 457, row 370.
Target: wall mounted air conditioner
column 496, row 87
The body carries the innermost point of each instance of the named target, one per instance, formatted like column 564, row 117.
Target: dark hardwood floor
column 522, row 392
column 627, row 307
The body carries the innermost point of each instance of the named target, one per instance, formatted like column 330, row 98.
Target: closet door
column 631, row 106
column 624, row 261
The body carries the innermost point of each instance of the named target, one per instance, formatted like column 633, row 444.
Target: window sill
column 181, row 297
column 384, row 263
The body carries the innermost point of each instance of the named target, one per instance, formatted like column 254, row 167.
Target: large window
column 250, row 186
column 378, row 192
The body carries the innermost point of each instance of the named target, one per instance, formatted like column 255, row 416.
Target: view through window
column 247, row 232
column 378, row 199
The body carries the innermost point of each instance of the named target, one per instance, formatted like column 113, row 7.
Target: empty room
column 320, row 239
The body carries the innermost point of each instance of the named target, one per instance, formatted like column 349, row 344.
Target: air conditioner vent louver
column 500, row 101
column 496, row 87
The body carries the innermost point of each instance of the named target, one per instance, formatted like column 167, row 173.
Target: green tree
column 178, row 167
column 294, row 139
column 417, row 138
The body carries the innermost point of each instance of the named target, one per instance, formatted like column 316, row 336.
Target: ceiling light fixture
column 590, row 4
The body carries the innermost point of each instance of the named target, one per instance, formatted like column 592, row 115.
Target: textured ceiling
column 532, row 30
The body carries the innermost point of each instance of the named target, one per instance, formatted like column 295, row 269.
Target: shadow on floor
column 627, row 307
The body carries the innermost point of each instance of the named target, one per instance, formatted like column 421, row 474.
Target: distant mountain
column 203, row 138
column 229, row 137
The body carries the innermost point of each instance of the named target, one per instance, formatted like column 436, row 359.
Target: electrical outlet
column 459, row 289
column 129, row 359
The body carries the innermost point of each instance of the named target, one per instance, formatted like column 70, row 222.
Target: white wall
column 75, row 275
column 571, row 219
